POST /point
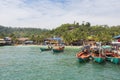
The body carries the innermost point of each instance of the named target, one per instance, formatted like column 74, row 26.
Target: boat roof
column 117, row 37
column 57, row 38
column 106, row 46
column 115, row 43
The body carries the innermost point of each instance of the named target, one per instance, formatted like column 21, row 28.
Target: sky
column 50, row 14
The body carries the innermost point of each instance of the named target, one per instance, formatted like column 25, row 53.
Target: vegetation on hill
column 35, row 34
column 75, row 32
column 69, row 32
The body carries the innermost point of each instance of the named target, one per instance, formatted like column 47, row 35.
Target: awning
column 117, row 37
column 106, row 47
column 115, row 43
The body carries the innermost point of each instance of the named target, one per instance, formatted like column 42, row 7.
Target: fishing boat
column 115, row 60
column 107, row 50
column 99, row 58
column 83, row 56
column 98, row 55
column 58, row 49
column 45, row 48
column 112, row 55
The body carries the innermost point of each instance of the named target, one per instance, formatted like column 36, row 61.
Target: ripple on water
column 28, row 63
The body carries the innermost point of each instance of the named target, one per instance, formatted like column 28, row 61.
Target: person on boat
column 86, row 47
column 84, row 51
column 61, row 46
column 58, row 47
column 94, row 48
column 49, row 46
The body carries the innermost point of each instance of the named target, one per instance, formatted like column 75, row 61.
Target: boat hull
column 83, row 57
column 113, row 60
column 108, row 58
column 99, row 59
column 45, row 49
column 57, row 50
column 83, row 60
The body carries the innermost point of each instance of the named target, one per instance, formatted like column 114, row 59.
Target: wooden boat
column 111, row 55
column 83, row 57
column 115, row 60
column 99, row 58
column 107, row 50
column 98, row 55
column 45, row 49
column 58, row 49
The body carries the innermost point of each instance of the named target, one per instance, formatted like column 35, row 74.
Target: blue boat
column 111, row 56
column 83, row 60
column 45, row 49
column 114, row 60
column 99, row 58
column 59, row 49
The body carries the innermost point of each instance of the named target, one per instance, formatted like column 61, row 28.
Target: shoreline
column 45, row 46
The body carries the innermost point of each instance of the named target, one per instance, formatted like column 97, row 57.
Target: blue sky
column 52, row 13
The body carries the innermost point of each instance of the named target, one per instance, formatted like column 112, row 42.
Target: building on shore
column 8, row 41
column 55, row 40
column 77, row 43
column 2, row 42
column 28, row 42
column 22, row 40
column 117, row 38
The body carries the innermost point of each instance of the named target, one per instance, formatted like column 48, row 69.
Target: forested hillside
column 21, row 32
column 69, row 32
column 75, row 32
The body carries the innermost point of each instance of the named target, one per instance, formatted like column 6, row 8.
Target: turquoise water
column 28, row 63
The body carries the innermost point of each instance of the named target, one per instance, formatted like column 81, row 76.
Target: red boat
column 83, row 56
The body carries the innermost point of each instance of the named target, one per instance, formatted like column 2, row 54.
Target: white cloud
column 52, row 13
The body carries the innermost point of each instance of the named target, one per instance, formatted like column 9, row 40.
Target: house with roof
column 8, row 41
column 22, row 40
column 117, row 38
column 55, row 40
column 2, row 42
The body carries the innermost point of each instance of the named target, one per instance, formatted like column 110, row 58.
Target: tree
column 83, row 23
column 88, row 24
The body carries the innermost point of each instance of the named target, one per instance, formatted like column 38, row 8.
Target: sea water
column 29, row 63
